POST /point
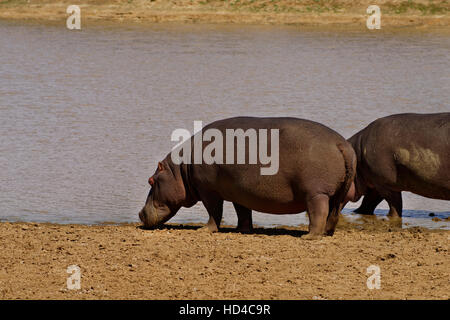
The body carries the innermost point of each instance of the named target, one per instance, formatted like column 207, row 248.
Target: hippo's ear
column 160, row 166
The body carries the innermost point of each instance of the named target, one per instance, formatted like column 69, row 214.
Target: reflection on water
column 85, row 116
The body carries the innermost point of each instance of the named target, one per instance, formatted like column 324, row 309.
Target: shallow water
column 86, row 115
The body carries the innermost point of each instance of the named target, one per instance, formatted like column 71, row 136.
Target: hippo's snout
column 152, row 216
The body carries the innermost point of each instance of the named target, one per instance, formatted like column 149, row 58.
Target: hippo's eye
column 151, row 181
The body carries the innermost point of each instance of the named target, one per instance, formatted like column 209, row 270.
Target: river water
column 86, row 115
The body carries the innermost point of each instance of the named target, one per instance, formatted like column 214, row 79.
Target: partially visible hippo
column 402, row 152
column 316, row 171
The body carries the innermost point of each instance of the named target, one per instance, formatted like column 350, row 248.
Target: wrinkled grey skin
column 316, row 171
column 402, row 152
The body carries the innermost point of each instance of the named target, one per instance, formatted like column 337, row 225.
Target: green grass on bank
column 423, row 7
column 426, row 9
column 14, row 3
column 277, row 6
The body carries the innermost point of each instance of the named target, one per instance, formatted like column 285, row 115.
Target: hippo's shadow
column 171, row 227
column 256, row 231
column 279, row 231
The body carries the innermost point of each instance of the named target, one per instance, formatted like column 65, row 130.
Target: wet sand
column 183, row 262
column 395, row 13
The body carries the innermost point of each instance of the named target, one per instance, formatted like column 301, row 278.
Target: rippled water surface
column 86, row 115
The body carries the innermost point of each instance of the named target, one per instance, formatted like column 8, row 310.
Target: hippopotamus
column 316, row 168
column 402, row 152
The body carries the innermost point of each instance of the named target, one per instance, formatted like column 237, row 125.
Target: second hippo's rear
column 403, row 152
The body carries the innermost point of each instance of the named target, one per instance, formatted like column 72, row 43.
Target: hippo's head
column 167, row 195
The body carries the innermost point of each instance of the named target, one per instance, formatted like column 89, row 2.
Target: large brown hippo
column 402, row 152
column 315, row 172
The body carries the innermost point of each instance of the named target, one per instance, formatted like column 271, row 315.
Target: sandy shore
column 182, row 262
column 395, row 13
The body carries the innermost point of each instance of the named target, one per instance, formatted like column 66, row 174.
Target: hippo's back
column 289, row 128
column 423, row 129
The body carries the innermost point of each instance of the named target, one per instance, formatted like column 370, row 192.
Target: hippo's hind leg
column 317, row 208
column 214, row 206
column 245, row 224
column 333, row 217
column 370, row 201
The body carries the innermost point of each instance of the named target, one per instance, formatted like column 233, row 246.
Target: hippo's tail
column 337, row 202
column 350, row 170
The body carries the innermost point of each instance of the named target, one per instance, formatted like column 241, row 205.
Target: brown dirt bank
column 395, row 13
column 181, row 262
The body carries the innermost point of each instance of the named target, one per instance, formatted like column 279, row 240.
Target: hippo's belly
column 433, row 186
column 287, row 208
column 276, row 200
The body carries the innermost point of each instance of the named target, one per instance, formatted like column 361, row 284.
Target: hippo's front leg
column 245, row 224
column 394, row 200
column 214, row 206
column 370, row 201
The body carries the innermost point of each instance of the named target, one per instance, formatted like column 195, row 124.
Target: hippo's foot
column 312, row 236
column 211, row 226
column 394, row 215
column 209, row 229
